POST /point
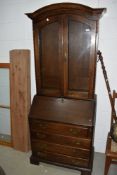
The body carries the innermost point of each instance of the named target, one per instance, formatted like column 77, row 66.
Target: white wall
column 16, row 33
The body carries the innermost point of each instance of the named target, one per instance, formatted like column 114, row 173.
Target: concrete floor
column 17, row 163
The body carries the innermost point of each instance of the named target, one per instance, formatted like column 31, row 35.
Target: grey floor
column 17, row 163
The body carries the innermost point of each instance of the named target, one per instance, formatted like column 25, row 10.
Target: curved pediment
column 64, row 8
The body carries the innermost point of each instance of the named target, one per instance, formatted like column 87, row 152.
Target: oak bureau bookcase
column 62, row 115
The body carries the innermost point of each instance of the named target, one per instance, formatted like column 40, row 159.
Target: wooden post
column 20, row 98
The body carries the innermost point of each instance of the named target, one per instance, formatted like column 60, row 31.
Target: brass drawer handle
column 74, row 151
column 43, row 147
column 42, row 125
column 75, row 162
column 77, row 143
column 74, row 132
column 71, row 129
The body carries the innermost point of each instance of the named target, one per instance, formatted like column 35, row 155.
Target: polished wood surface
column 62, row 125
column 66, row 61
column 62, row 114
column 58, row 128
column 60, row 149
column 83, row 143
column 64, row 159
column 64, row 44
column 66, row 8
column 79, row 112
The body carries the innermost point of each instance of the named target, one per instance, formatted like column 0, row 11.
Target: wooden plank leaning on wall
column 5, row 66
column 20, row 98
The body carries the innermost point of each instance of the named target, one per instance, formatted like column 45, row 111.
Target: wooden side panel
column 20, row 98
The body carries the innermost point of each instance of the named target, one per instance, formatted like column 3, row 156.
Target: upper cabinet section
column 65, row 48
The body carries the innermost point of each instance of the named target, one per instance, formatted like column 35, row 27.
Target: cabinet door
column 80, row 57
column 48, row 51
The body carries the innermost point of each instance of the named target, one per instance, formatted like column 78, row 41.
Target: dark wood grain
column 79, row 112
column 49, row 56
column 65, row 46
column 60, row 128
column 62, row 115
column 61, row 139
column 67, row 8
column 45, row 146
column 63, row 159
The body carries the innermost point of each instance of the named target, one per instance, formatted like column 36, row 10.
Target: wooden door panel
column 49, row 58
column 81, row 58
column 49, row 55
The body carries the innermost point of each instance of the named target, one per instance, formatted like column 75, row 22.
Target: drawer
column 63, row 159
column 60, row 128
column 61, row 139
column 43, row 146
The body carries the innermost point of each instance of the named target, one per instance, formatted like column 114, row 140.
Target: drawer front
column 43, row 146
column 63, row 140
column 62, row 129
column 63, row 159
